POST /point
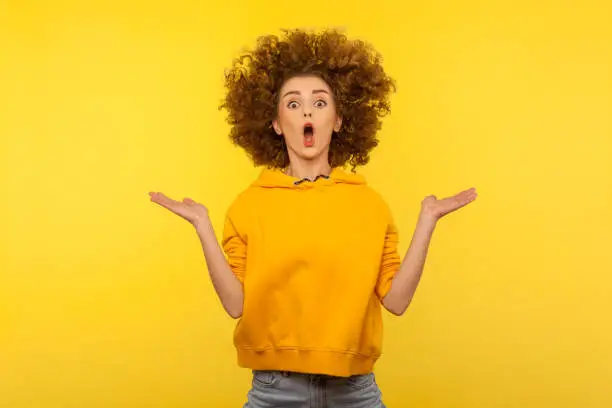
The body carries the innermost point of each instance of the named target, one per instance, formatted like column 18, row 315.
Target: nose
column 307, row 110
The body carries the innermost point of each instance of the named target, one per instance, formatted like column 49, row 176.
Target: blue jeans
column 276, row 389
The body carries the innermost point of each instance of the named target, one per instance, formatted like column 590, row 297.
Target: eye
column 293, row 105
column 320, row 103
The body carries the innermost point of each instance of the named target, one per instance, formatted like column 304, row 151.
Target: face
column 307, row 117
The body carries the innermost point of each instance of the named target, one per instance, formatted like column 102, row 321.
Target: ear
column 276, row 127
column 338, row 124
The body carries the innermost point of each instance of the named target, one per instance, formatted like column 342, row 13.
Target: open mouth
column 308, row 135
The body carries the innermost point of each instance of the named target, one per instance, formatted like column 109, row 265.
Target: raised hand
column 437, row 208
column 188, row 209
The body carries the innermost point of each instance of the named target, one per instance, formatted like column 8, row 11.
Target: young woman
column 309, row 253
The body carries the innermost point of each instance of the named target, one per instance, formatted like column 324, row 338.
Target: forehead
column 305, row 84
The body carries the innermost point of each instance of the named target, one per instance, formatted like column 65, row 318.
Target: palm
column 187, row 209
column 440, row 207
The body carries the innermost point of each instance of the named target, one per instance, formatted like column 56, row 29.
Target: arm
column 225, row 275
column 226, row 284
column 406, row 280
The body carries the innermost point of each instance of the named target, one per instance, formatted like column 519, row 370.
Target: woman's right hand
column 188, row 209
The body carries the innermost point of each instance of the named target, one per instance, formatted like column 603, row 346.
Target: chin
column 309, row 153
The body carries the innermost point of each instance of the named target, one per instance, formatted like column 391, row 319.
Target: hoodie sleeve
column 390, row 262
column 234, row 245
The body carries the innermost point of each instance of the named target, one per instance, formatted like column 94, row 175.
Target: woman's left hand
column 434, row 208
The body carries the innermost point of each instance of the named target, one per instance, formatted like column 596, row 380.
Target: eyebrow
column 316, row 91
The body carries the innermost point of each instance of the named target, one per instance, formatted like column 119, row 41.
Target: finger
column 189, row 201
column 464, row 199
column 455, row 202
column 158, row 197
column 429, row 198
column 471, row 194
column 164, row 201
column 468, row 194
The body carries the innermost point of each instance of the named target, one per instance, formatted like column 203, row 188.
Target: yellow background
column 104, row 298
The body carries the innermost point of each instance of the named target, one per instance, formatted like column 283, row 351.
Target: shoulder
column 368, row 200
column 248, row 198
column 241, row 204
column 377, row 199
column 358, row 184
column 238, row 214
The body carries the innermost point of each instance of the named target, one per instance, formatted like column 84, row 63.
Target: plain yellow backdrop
column 104, row 298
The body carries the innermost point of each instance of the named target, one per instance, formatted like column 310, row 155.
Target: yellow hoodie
column 316, row 259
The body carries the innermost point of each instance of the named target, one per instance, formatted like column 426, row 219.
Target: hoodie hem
column 333, row 363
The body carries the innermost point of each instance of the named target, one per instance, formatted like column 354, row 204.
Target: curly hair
column 352, row 69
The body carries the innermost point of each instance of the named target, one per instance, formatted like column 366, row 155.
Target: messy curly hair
column 352, row 69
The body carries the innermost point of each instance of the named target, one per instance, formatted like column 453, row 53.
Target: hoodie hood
column 275, row 178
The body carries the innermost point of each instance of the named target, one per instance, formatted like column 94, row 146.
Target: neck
column 300, row 168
